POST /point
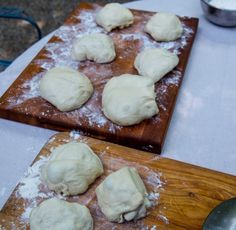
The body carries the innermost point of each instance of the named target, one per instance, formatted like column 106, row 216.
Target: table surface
column 203, row 126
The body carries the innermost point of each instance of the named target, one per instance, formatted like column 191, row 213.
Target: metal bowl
column 222, row 217
column 222, row 17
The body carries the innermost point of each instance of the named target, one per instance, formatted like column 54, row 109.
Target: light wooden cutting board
column 187, row 192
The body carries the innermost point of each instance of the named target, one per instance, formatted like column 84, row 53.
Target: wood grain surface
column 10, row 223
column 22, row 102
column 187, row 195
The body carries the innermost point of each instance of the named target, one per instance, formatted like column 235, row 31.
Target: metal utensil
column 222, row 17
column 222, row 217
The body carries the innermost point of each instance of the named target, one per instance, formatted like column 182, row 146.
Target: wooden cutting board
column 187, row 192
column 22, row 102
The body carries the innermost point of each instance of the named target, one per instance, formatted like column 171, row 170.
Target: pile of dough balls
column 126, row 99
column 72, row 167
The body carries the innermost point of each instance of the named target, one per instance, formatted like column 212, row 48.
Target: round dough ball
column 122, row 196
column 55, row 214
column 71, row 168
column 65, row 88
column 155, row 63
column 96, row 47
column 129, row 99
column 114, row 15
column 164, row 27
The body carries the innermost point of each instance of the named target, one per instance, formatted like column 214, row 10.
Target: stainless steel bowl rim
column 208, row 3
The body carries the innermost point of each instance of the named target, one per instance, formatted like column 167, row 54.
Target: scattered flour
column 58, row 53
column 75, row 135
column 32, row 190
column 154, row 227
column 30, row 90
column 163, row 218
column 29, row 188
column 29, row 185
column 148, row 42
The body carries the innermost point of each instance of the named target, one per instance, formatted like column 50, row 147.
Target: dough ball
column 71, row 168
column 55, row 214
column 114, row 15
column 164, row 27
column 65, row 88
column 122, row 196
column 96, row 47
column 155, row 63
column 129, row 99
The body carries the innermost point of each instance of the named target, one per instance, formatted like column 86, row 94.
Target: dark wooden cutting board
column 22, row 102
column 187, row 192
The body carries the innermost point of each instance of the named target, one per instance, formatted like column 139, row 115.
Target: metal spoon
column 222, row 217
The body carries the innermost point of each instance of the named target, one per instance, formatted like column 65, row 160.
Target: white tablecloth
column 203, row 126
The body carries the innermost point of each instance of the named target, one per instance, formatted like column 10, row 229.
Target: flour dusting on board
column 58, row 53
column 33, row 191
column 153, row 178
column 29, row 185
column 91, row 112
column 148, row 42
column 12, row 226
column 30, row 90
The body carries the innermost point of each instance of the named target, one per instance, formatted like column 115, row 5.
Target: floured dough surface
column 65, row 88
column 164, row 27
column 129, row 99
column 55, row 214
column 114, row 15
column 71, row 168
column 155, row 63
column 96, row 47
column 122, row 196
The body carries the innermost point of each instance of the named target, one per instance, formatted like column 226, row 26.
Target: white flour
column 224, row 4
column 30, row 89
column 163, row 218
column 29, row 185
column 58, row 53
column 148, row 42
column 75, row 135
column 32, row 190
column 91, row 113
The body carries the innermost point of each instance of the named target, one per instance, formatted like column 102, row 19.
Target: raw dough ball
column 155, row 63
column 129, row 99
column 55, row 214
column 122, row 196
column 114, row 15
column 65, row 88
column 164, row 27
column 96, row 47
column 71, row 168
